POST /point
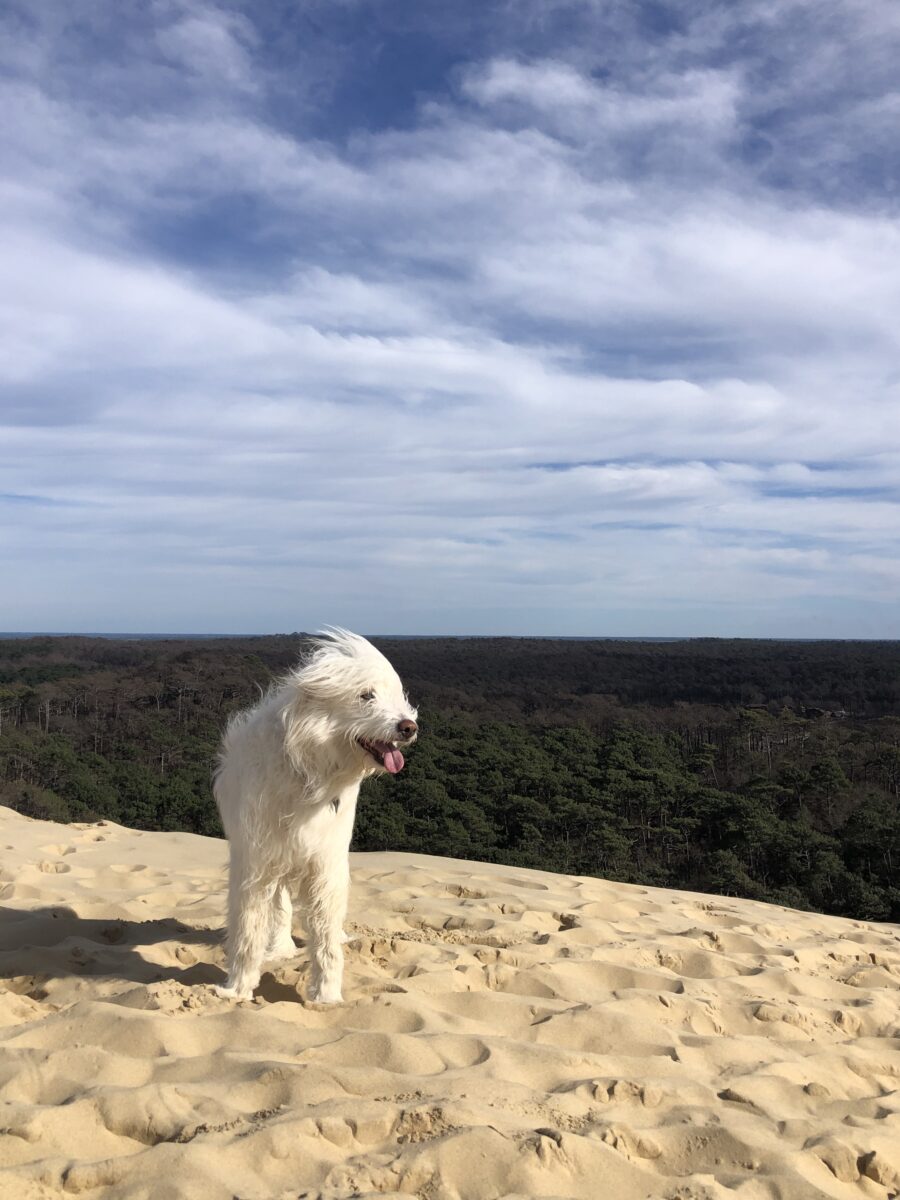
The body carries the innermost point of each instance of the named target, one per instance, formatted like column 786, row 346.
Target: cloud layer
column 571, row 319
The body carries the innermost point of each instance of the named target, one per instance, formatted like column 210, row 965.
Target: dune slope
column 506, row 1033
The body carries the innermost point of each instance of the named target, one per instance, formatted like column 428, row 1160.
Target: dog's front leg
column 326, row 890
column 249, row 921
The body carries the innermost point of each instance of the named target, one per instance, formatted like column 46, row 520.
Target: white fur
column 286, row 786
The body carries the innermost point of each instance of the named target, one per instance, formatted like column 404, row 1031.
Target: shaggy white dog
column 286, row 786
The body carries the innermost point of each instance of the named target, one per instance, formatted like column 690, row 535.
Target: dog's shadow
column 40, row 944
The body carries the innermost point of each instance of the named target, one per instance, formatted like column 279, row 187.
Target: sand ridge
column 506, row 1033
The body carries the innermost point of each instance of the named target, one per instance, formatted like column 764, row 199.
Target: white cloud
column 212, row 44
column 704, row 99
column 510, row 363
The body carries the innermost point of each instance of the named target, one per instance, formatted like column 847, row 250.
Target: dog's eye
column 367, row 696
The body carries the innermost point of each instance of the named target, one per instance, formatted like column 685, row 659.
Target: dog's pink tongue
column 393, row 761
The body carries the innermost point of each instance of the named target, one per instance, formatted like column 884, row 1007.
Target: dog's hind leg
column 325, row 892
column 281, row 944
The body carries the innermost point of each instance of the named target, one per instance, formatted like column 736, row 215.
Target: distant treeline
column 763, row 769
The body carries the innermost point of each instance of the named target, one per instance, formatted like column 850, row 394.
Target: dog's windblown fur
column 286, row 786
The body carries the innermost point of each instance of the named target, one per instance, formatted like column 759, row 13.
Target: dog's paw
column 230, row 993
column 325, row 995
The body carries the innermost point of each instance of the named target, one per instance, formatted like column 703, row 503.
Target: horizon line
column 547, row 637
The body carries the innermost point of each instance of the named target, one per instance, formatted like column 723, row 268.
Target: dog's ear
column 295, row 720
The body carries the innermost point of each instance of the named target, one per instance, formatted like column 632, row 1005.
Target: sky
column 521, row 317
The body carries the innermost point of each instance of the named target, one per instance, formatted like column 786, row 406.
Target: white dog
column 286, row 786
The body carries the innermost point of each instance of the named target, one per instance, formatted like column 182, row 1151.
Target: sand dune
column 507, row 1033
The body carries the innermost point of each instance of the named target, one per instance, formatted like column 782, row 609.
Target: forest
column 751, row 768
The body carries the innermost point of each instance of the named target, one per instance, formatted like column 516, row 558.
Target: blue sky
column 576, row 318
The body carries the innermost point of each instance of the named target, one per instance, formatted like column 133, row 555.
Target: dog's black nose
column 406, row 728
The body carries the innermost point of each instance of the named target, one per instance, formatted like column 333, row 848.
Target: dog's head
column 349, row 701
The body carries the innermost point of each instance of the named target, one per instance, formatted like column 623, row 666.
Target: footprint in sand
column 466, row 893
column 113, row 934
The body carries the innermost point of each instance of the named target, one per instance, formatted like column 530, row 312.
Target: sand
column 506, row 1033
